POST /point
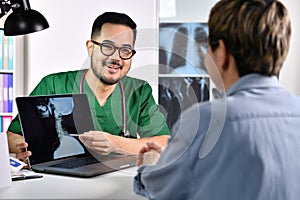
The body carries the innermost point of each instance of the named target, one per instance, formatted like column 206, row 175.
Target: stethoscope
column 124, row 132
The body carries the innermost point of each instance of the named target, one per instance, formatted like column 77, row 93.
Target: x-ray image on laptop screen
column 48, row 121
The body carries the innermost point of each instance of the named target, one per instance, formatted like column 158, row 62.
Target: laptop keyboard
column 79, row 162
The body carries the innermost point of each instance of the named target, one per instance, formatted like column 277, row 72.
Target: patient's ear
column 222, row 56
column 219, row 55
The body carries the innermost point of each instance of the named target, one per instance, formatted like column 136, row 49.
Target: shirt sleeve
column 169, row 176
column 139, row 188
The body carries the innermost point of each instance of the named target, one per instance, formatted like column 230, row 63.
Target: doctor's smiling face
column 111, row 52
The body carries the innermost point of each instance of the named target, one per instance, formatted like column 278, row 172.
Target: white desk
column 115, row 185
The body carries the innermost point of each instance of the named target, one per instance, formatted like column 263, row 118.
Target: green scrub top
column 143, row 118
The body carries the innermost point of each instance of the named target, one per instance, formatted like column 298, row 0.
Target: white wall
column 185, row 10
column 290, row 73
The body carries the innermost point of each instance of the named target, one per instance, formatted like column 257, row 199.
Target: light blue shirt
column 242, row 147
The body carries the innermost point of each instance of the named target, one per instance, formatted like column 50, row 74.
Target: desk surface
column 115, row 185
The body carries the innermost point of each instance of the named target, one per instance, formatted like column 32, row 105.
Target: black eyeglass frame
column 115, row 48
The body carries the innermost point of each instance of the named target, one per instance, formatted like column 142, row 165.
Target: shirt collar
column 253, row 81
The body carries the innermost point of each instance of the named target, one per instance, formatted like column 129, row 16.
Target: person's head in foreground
column 246, row 144
column 253, row 36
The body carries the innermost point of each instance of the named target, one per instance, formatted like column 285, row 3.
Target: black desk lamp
column 23, row 19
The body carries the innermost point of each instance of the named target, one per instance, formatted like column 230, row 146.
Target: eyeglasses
column 108, row 49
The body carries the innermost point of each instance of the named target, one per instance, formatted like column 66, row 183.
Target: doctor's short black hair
column 114, row 18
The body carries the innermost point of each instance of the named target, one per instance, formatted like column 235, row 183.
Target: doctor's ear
column 89, row 47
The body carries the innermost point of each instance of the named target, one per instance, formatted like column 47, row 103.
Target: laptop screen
column 50, row 125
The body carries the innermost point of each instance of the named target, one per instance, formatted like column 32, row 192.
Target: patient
column 245, row 145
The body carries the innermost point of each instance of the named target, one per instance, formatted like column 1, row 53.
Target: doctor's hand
column 99, row 141
column 21, row 152
column 149, row 154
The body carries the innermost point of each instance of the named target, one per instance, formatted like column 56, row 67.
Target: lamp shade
column 22, row 22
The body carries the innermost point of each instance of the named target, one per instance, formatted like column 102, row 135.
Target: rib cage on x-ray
column 182, row 48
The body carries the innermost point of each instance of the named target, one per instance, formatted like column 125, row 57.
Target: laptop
column 51, row 125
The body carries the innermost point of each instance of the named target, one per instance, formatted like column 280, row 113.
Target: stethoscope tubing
column 124, row 129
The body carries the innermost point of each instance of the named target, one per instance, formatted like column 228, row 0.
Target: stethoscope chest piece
column 126, row 134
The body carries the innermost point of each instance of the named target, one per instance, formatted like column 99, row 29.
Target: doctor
column 124, row 111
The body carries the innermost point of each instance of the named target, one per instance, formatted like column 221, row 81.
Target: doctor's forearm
column 132, row 146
